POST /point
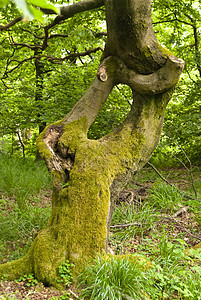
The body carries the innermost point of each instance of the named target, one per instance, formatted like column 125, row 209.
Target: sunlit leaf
column 3, row 2
column 38, row 15
column 21, row 4
column 44, row 4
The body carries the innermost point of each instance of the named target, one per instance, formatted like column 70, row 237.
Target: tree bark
column 89, row 174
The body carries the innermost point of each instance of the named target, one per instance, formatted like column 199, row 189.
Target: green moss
column 142, row 262
column 73, row 134
column 16, row 269
column 198, row 246
column 156, row 51
column 42, row 147
column 165, row 52
column 97, row 163
column 77, row 227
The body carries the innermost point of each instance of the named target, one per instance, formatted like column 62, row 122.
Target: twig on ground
column 181, row 211
column 126, row 225
column 159, row 174
column 72, row 293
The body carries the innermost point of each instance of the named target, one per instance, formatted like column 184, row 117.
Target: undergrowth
column 21, row 216
column 145, row 226
column 22, row 178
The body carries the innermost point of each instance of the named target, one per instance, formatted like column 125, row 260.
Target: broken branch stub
column 102, row 73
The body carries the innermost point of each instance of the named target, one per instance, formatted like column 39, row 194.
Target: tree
column 29, row 90
column 178, row 26
column 89, row 174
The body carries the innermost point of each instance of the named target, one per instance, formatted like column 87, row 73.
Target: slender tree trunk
column 39, row 67
column 89, row 174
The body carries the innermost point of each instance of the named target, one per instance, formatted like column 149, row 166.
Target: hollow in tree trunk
column 89, row 174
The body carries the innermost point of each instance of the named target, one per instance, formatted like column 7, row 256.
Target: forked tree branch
column 51, row 59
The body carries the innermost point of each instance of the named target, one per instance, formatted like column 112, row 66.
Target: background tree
column 180, row 25
column 89, row 174
column 34, row 72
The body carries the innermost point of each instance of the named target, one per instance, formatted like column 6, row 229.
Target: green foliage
column 113, row 112
column 173, row 275
column 113, row 279
column 29, row 8
column 20, row 217
column 165, row 197
column 29, row 280
column 64, row 273
column 177, row 25
column 65, row 296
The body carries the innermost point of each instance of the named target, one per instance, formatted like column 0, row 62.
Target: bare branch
column 72, row 55
column 36, row 36
column 26, row 45
column 182, row 211
column 190, row 169
column 50, row 58
column 16, row 67
column 58, row 35
column 96, row 34
column 42, row 37
column 73, row 9
column 173, row 20
column 159, row 174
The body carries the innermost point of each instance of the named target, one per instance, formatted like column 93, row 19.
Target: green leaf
column 3, row 2
column 44, row 4
column 38, row 15
column 21, row 4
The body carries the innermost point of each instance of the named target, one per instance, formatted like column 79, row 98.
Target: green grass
column 18, row 227
column 113, row 279
column 144, row 216
column 173, row 273
column 21, row 216
column 22, row 178
column 165, row 197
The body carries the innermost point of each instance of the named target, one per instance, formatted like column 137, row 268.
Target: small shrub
column 64, row 273
column 29, row 280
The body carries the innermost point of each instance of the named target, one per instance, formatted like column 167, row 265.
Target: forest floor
column 181, row 221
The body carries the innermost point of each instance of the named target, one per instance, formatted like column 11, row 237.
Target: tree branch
column 157, row 82
column 69, row 11
column 159, row 174
column 26, row 45
column 173, row 20
column 10, row 24
column 50, row 58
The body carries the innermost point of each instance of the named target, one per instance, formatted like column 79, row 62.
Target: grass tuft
column 113, row 279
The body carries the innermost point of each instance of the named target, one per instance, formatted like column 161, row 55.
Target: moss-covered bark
column 88, row 174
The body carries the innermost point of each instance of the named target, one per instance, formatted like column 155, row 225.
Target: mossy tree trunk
column 89, row 174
